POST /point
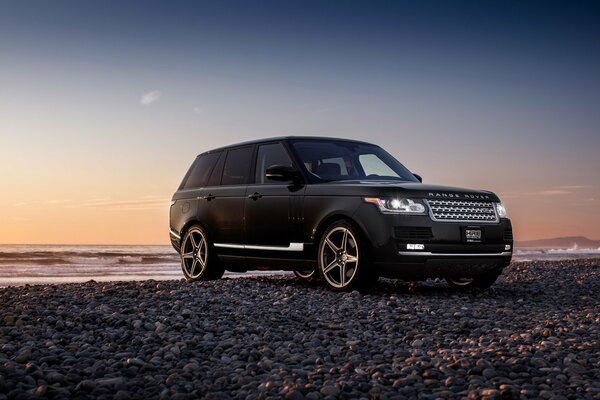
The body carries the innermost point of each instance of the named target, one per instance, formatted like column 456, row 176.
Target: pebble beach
column 534, row 334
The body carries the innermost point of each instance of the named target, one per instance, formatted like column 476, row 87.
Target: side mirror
column 418, row 178
column 282, row 173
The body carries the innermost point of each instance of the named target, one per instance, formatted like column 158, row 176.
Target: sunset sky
column 104, row 105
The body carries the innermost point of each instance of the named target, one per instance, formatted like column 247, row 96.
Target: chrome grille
column 462, row 211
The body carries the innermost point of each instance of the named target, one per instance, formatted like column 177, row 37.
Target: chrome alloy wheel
column 195, row 254
column 339, row 257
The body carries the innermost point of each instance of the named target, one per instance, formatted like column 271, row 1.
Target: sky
column 104, row 105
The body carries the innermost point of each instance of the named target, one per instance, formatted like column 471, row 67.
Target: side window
column 215, row 177
column 269, row 155
column 237, row 166
column 200, row 170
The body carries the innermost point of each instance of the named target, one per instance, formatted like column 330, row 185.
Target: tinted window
column 200, row 170
column 269, row 155
column 215, row 177
column 237, row 166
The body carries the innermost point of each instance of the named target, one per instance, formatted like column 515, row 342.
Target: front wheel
column 197, row 259
column 343, row 259
column 476, row 282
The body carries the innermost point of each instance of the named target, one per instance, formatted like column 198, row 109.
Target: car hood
column 397, row 189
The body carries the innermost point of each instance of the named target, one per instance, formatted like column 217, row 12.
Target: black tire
column 476, row 282
column 343, row 259
column 198, row 259
column 307, row 275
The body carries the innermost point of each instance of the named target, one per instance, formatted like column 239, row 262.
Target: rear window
column 200, row 171
column 237, row 166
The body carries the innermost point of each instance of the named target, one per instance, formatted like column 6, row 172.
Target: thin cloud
column 553, row 192
column 575, row 187
column 41, row 202
column 143, row 203
column 150, row 97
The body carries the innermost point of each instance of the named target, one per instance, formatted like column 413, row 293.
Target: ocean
column 41, row 264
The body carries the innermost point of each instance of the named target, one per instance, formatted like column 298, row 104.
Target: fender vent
column 409, row 233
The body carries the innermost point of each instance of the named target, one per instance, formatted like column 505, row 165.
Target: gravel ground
column 534, row 334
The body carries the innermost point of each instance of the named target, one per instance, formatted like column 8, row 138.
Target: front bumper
column 444, row 265
column 416, row 247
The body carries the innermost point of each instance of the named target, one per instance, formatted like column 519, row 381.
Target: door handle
column 208, row 197
column 255, row 196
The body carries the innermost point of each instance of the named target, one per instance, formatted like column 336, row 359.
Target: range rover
column 341, row 211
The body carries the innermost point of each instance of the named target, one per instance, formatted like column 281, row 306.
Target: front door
column 272, row 209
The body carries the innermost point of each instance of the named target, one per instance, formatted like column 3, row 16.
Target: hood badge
column 459, row 196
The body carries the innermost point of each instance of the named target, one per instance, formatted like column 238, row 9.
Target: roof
column 281, row 138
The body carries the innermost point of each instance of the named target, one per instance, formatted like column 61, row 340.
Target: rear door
column 225, row 219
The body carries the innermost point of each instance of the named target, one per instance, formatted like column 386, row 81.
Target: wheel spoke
column 345, row 240
column 188, row 255
column 342, row 274
column 193, row 240
column 331, row 245
column 193, row 268
column 201, row 261
column 330, row 266
column 351, row 259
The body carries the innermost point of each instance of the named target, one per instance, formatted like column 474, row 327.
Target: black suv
column 344, row 210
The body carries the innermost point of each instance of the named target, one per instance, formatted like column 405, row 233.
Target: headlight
column 397, row 206
column 501, row 210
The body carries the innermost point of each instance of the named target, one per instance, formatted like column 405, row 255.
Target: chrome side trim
column 292, row 247
column 174, row 234
column 430, row 254
column 229, row 245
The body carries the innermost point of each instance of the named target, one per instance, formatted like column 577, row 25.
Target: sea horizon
column 22, row 264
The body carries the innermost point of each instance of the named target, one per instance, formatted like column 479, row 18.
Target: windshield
column 334, row 160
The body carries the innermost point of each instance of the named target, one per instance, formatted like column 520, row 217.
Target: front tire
column 198, row 261
column 476, row 282
column 343, row 259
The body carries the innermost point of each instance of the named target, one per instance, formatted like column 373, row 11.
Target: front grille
column 508, row 235
column 409, row 233
column 462, row 211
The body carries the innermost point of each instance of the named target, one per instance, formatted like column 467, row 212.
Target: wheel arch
column 191, row 223
column 339, row 216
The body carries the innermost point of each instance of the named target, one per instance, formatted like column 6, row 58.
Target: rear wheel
column 476, row 282
column 305, row 275
column 343, row 259
column 197, row 259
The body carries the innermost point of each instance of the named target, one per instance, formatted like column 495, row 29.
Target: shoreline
column 535, row 333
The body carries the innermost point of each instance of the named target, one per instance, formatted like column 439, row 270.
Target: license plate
column 473, row 235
